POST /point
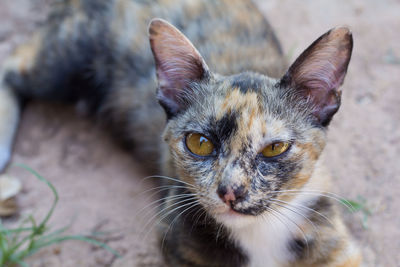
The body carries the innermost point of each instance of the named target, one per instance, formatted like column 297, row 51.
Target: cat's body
column 107, row 40
column 95, row 53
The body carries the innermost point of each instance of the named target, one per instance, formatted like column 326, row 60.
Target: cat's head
column 239, row 140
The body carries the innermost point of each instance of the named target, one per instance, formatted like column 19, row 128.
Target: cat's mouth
column 228, row 213
column 253, row 210
column 233, row 217
column 233, row 209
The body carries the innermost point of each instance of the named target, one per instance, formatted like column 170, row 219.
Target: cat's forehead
column 246, row 106
column 242, row 107
column 252, row 118
column 242, row 94
column 248, row 82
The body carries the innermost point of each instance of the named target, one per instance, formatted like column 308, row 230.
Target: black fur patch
column 247, row 82
column 324, row 206
column 223, row 129
column 300, row 247
column 66, row 71
column 226, row 126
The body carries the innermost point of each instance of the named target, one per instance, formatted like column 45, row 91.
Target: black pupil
column 203, row 140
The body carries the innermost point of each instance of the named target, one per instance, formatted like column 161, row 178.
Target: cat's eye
column 199, row 145
column 275, row 149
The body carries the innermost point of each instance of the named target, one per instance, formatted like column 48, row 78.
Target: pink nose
column 228, row 195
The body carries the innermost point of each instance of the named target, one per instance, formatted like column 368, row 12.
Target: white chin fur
column 233, row 220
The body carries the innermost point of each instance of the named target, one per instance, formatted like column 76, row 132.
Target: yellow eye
column 275, row 149
column 199, row 144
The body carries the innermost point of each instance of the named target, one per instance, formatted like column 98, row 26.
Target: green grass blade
column 20, row 263
column 50, row 185
column 19, row 243
column 355, row 206
column 5, row 231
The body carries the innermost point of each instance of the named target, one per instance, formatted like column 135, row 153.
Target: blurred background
column 100, row 186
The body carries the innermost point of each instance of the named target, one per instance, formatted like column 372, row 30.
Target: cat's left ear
column 178, row 64
column 319, row 71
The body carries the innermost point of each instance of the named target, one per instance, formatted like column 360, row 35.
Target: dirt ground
column 101, row 187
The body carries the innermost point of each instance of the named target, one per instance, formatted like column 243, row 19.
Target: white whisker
column 303, row 207
column 169, row 178
column 173, row 222
column 318, row 193
column 165, row 209
column 162, row 188
column 297, row 226
column 169, row 198
column 298, row 213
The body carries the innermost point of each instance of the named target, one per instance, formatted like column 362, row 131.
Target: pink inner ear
column 177, row 60
column 175, row 72
column 320, row 70
column 324, row 64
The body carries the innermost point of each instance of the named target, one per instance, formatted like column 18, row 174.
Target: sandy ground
column 101, row 188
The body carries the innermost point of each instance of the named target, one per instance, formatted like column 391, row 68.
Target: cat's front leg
column 13, row 73
column 348, row 256
column 9, row 118
column 329, row 244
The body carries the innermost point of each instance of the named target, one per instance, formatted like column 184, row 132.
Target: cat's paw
column 5, row 155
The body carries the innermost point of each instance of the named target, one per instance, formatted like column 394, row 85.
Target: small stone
column 8, row 207
column 9, row 187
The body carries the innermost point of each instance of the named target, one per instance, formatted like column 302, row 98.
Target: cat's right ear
column 178, row 64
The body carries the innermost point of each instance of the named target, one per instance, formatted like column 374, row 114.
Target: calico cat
column 241, row 156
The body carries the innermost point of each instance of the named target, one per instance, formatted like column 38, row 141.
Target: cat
column 237, row 139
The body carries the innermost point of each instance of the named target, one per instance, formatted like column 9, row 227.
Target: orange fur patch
column 354, row 261
column 310, row 150
column 25, row 55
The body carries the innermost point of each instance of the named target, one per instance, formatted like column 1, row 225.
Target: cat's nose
column 229, row 195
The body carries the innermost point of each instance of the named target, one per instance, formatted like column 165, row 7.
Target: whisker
column 163, row 187
column 304, row 207
column 297, row 226
column 170, row 212
column 330, row 195
column 273, row 212
column 166, row 208
column 271, row 222
column 198, row 218
column 173, row 222
column 169, row 198
column 158, row 191
column 187, row 215
column 298, row 213
column 198, row 213
column 218, row 232
column 169, row 178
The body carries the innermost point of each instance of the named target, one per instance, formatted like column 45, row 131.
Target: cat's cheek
column 305, row 157
column 315, row 140
column 180, row 159
column 310, row 151
column 195, row 172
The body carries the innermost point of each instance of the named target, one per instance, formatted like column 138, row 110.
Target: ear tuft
column 319, row 71
column 178, row 63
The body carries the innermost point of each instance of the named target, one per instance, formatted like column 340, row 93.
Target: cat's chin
column 232, row 219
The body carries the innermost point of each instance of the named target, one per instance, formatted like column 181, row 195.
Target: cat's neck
column 267, row 241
